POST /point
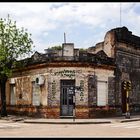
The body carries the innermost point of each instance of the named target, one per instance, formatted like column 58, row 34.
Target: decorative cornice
column 65, row 64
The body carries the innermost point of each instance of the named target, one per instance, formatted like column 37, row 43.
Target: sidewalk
column 25, row 119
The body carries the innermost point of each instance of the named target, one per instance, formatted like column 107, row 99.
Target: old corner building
column 81, row 83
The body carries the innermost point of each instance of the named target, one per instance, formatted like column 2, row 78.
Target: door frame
column 61, row 98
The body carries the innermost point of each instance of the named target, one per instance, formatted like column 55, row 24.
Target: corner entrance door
column 66, row 97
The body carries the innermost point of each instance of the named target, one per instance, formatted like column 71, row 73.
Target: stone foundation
column 82, row 112
column 102, row 112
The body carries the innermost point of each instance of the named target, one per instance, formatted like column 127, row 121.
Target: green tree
column 57, row 47
column 82, row 49
column 14, row 43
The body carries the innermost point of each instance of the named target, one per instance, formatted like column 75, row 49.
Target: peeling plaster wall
column 80, row 76
column 109, row 42
column 50, row 91
column 23, row 84
column 23, row 91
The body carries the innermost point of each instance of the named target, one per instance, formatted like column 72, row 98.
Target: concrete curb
column 45, row 122
column 81, row 122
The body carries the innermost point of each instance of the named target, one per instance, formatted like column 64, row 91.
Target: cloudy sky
column 85, row 24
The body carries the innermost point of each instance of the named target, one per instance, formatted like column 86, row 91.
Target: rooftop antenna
column 120, row 14
column 64, row 37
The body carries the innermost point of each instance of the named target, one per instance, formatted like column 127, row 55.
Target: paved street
column 117, row 129
column 11, row 125
column 130, row 125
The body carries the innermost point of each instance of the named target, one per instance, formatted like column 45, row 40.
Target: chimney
column 68, row 49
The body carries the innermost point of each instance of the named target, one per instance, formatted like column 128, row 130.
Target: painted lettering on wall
column 82, row 90
column 53, row 89
column 67, row 73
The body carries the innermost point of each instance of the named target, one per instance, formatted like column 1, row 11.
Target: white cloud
column 42, row 18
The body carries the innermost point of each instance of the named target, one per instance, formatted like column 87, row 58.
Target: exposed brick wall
column 45, row 112
column 102, row 112
column 82, row 112
column 53, row 112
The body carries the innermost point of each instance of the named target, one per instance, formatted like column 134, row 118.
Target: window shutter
column 102, row 90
